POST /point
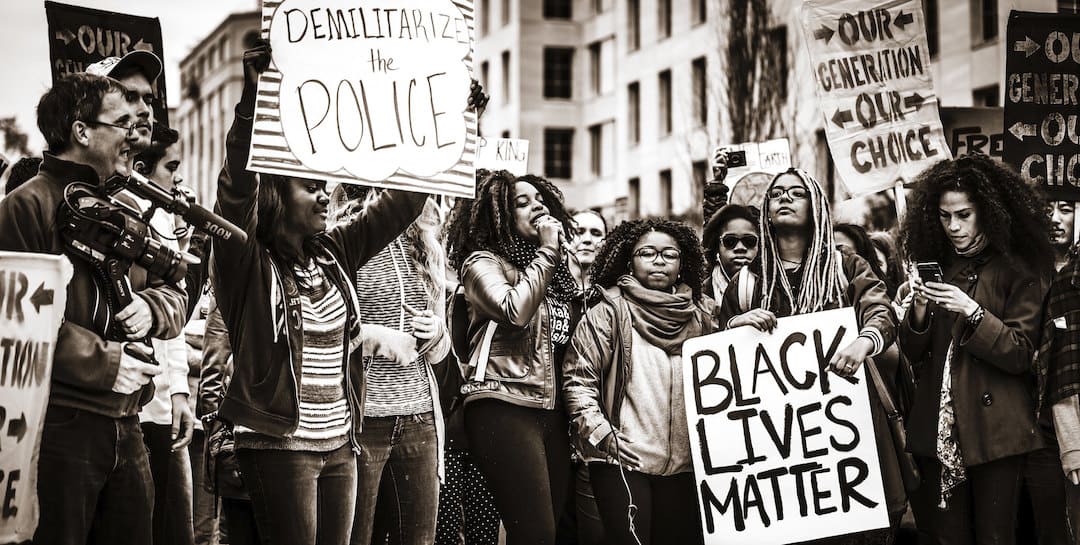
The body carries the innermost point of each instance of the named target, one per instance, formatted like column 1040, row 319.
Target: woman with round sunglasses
column 730, row 240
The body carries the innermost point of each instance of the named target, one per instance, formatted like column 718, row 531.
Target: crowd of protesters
column 365, row 367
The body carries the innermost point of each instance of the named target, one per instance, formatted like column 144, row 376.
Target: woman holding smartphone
column 973, row 335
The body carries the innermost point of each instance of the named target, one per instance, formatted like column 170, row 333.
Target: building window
column 700, row 11
column 504, row 13
column 987, row 96
column 700, row 170
column 930, row 8
column 633, row 111
column 701, row 103
column 665, row 192
column 1068, row 6
column 596, row 147
column 558, row 72
column 984, row 21
column 663, row 18
column 599, row 6
column 594, row 68
column 558, row 9
column 485, row 15
column 505, row 77
column 664, row 82
column 633, row 190
column 633, row 30
column 558, row 152
column 485, row 71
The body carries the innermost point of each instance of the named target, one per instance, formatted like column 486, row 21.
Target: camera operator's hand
column 136, row 319
column 133, row 374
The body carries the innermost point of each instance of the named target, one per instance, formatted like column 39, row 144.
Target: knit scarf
column 663, row 319
column 978, row 245
column 521, row 253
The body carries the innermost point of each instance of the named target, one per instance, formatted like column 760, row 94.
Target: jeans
column 467, row 511
column 397, row 470
column 525, row 456
column 1045, row 483
column 301, row 498
column 171, row 472
column 667, row 509
column 204, row 504
column 94, row 482
column 981, row 511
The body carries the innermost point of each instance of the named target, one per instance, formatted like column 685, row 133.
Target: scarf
column 978, row 245
column 521, row 253
column 953, row 471
column 663, row 319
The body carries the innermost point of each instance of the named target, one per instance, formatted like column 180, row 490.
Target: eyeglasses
column 793, row 193
column 129, row 128
column 732, row 241
column 647, row 253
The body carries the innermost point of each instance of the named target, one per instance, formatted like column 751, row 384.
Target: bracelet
column 976, row 317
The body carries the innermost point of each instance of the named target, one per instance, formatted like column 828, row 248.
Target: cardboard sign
column 511, row 154
column 974, row 130
column 783, row 449
column 33, row 291
column 371, row 92
column 872, row 68
column 1042, row 78
column 79, row 37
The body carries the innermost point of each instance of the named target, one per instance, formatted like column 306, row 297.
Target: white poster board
column 511, row 154
column 783, row 449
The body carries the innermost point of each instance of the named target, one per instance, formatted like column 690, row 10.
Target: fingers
column 411, row 310
column 183, row 439
column 148, row 369
column 1074, row 477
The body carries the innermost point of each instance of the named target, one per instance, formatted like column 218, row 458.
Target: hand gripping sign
column 783, row 449
column 33, row 291
column 370, row 91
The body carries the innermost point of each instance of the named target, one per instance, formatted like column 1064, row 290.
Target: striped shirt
column 383, row 284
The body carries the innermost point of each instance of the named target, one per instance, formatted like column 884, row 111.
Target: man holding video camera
column 94, row 482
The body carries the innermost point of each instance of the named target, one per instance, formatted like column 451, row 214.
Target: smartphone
column 736, row 159
column 930, row 271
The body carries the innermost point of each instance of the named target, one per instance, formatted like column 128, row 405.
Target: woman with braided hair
column 802, row 272
column 507, row 245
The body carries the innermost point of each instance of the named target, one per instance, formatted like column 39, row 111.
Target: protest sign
column 974, row 130
column 33, row 290
column 783, row 449
column 371, row 92
column 763, row 160
column 511, row 154
column 79, row 37
column 873, row 84
column 1042, row 75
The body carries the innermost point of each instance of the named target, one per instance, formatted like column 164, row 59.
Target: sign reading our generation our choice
column 872, row 69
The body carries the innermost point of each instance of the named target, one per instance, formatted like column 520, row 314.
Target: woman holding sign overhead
column 979, row 235
column 623, row 384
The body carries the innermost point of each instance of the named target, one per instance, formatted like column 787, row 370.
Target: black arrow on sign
column 914, row 101
column 841, row 117
column 41, row 297
column 904, row 19
column 824, row 33
column 17, row 427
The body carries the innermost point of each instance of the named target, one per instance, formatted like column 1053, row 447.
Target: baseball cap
column 146, row 62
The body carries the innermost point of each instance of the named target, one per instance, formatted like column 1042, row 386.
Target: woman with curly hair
column 974, row 335
column 650, row 273
column 508, row 246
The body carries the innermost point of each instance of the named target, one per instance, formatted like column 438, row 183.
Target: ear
column 80, row 133
column 141, row 168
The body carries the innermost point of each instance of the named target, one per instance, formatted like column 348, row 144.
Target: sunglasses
column 732, row 241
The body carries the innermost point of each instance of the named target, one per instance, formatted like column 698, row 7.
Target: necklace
column 796, row 263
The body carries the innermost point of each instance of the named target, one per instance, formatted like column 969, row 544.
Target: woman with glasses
column 650, row 273
column 731, row 243
column 801, row 273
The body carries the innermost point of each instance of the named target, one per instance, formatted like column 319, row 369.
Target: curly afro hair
column 1010, row 212
column 615, row 254
column 481, row 224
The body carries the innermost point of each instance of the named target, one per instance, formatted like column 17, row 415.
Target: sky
column 25, row 46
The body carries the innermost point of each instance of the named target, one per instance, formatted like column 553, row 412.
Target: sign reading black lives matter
column 872, row 68
column 783, row 449
column 79, row 37
column 368, row 91
column 1042, row 66
column 33, row 291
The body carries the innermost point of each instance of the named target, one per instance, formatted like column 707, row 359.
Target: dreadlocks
column 485, row 222
column 820, row 285
column 615, row 254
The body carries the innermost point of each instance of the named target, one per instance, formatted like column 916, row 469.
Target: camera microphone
column 176, row 202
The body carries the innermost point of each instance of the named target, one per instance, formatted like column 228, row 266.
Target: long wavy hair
column 616, row 253
column 820, row 285
column 1010, row 212
column 483, row 223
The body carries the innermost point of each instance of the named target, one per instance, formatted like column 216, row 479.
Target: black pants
column 173, row 489
column 667, row 509
column 981, row 511
column 525, row 456
column 1045, row 484
column 238, row 518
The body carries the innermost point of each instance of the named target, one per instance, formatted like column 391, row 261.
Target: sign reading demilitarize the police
column 1042, row 66
column 33, row 292
column 79, row 37
column 783, row 449
column 368, row 91
column 874, row 87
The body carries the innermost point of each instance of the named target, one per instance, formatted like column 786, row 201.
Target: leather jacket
column 520, row 368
